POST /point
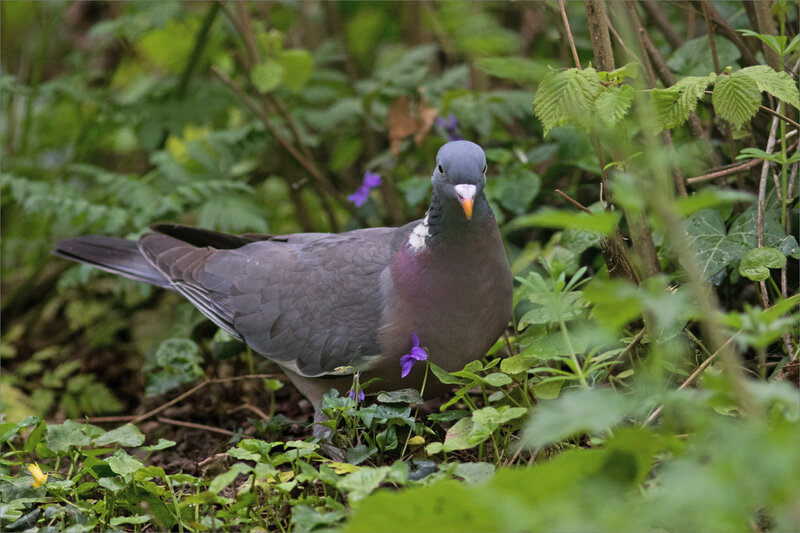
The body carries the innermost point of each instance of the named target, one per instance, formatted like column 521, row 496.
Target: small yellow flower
column 39, row 477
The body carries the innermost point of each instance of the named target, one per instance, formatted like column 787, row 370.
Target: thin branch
column 724, row 172
column 569, row 34
column 197, row 50
column 192, row 425
column 598, row 31
column 318, row 177
column 699, row 370
column 573, row 201
column 762, row 193
column 193, row 390
column 666, row 28
column 712, row 41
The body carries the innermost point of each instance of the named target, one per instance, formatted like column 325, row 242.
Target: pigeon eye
column 440, row 169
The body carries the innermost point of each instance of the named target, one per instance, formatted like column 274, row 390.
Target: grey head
column 459, row 178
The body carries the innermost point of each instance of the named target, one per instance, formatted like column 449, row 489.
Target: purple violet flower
column 450, row 125
column 352, row 395
column 370, row 181
column 417, row 354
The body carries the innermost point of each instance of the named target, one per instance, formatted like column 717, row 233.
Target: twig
column 724, row 172
column 712, row 41
column 762, row 193
column 261, row 414
column 663, row 24
column 699, row 370
column 569, row 34
column 199, row 46
column 598, row 30
column 508, row 344
column 192, row 425
column 193, row 390
column 572, row 201
column 318, row 177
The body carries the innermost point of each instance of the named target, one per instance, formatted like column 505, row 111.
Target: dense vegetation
column 643, row 169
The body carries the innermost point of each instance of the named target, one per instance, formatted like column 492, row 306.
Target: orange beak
column 466, row 196
column 466, row 204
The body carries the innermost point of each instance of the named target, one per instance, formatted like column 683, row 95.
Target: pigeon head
column 460, row 174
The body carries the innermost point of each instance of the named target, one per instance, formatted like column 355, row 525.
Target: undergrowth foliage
column 647, row 381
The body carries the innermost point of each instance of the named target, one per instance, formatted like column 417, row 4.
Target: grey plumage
column 315, row 303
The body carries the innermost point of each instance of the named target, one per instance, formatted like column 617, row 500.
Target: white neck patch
column 417, row 238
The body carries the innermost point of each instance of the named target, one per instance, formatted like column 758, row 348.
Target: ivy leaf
column 756, row 263
column 778, row 84
column 736, row 98
column 674, row 104
column 613, row 104
column 715, row 249
column 267, row 76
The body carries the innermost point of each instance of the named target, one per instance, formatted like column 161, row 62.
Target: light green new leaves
column 736, row 98
column 673, row 105
column 567, row 96
column 292, row 69
column 613, row 104
column 473, row 430
column 756, row 263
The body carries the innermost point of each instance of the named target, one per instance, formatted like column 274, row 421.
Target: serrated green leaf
column 778, row 84
column 61, row 436
column 613, row 103
column 123, row 464
column 736, row 98
column 567, row 96
column 267, row 76
column 756, row 263
column 674, row 104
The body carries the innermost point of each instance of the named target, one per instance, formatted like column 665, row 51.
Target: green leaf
column 497, row 379
column 445, row 377
column 474, row 472
column 61, row 436
column 297, row 65
column 604, row 222
column 123, row 464
column 756, row 263
column 162, row 444
column 613, row 103
column 709, row 197
column 778, row 84
column 400, row 396
column 127, row 435
column 363, row 482
column 693, row 58
column 176, row 362
column 133, row 520
column 15, row 428
column 674, row 104
column 585, row 411
column 567, row 97
column 267, row 76
column 736, row 98
column 776, row 42
column 516, row 364
column 519, row 69
column 225, row 479
column 715, row 249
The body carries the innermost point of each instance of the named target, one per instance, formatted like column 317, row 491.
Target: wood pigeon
column 325, row 305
